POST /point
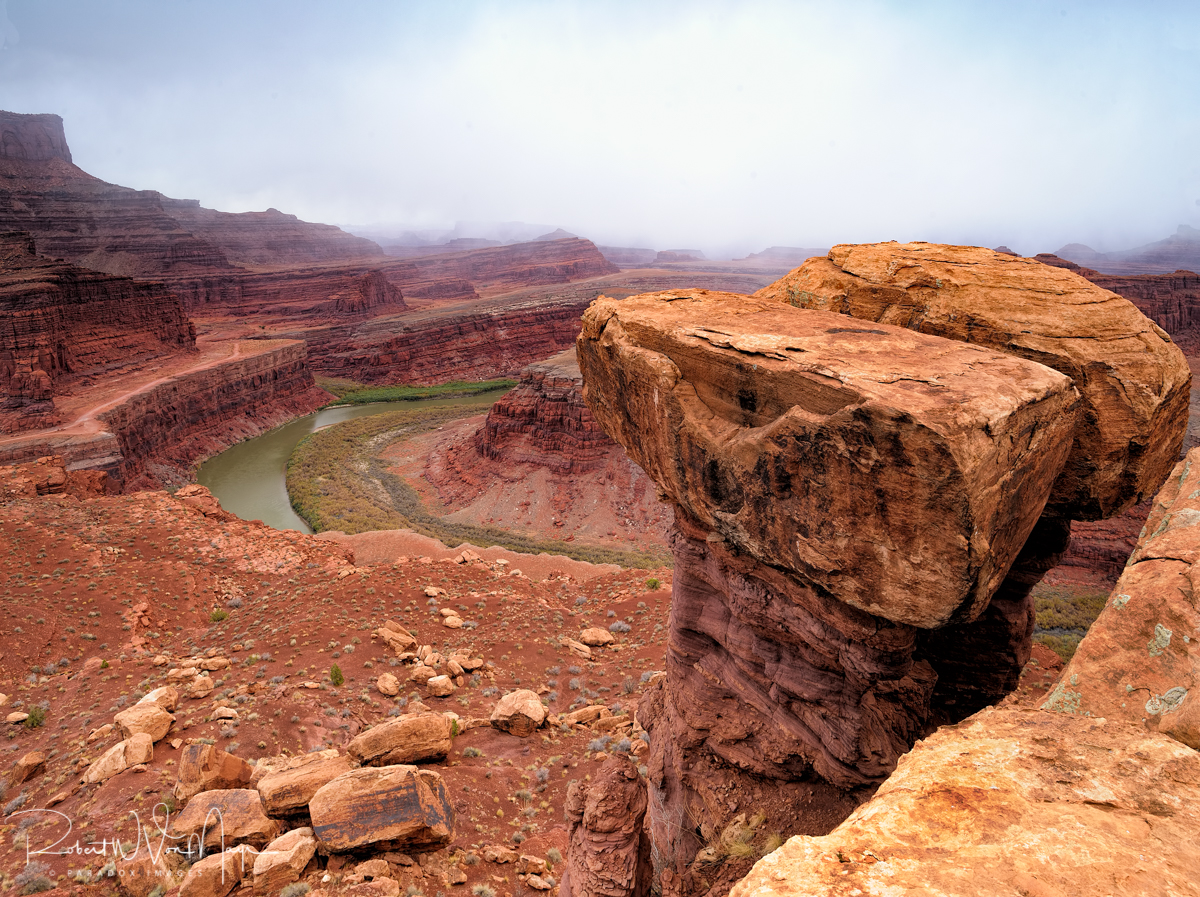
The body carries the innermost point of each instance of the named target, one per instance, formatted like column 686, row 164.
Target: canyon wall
column 82, row 219
column 861, row 514
column 153, row 437
column 62, row 321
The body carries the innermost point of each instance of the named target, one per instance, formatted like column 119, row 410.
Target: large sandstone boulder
column 1134, row 382
column 288, row 791
column 218, row 874
column 901, row 472
column 1140, row 661
column 387, row 807
column 1011, row 802
column 224, row 819
column 118, row 758
column 204, row 767
column 148, row 717
column 519, row 713
column 608, row 851
column 283, row 861
column 406, row 739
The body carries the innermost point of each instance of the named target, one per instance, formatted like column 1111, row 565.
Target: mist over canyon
column 865, row 566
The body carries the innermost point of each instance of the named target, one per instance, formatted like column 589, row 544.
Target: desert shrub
column 218, row 615
column 619, row 626
column 335, row 675
column 472, row 752
column 652, row 583
column 296, row 889
column 37, row 716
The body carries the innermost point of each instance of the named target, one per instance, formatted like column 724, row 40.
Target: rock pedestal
column 861, row 513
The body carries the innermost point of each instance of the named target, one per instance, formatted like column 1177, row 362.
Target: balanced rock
column 387, row 807
column 205, row 767
column 219, row 874
column 288, row 791
column 407, row 739
column 519, row 713
column 222, row 819
column 283, row 861
column 132, row 751
column 1140, row 661
column 1024, row 802
column 1133, row 381
column 149, row 718
column 900, row 472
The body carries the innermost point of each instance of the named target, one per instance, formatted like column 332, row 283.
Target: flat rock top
column 1134, row 381
column 900, row 471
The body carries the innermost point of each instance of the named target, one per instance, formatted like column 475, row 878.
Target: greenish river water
column 249, row 478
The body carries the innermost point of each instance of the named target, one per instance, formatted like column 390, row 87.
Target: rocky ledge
column 863, row 508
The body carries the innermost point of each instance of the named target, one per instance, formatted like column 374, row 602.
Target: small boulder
column 118, row 758
column 30, row 765
column 579, row 649
column 283, row 861
column 387, row 684
column 165, row 696
column 440, row 686
column 452, row 622
column 389, row 807
column 597, row 637
column 396, row 637
column 406, row 739
column 223, row 818
column 16, row 717
column 148, row 718
column 421, row 673
column 519, row 713
column 204, row 767
column 219, row 874
column 201, row 686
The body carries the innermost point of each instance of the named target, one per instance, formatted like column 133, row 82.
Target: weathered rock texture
column 387, row 806
column 62, row 320
column 900, row 472
column 544, row 421
column 841, row 585
column 1140, row 661
column 608, row 853
column 1012, row 802
column 1133, row 381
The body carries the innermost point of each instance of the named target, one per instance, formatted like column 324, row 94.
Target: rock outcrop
column 33, row 138
column 63, row 320
column 840, row 585
column 543, row 421
column 1011, row 802
column 608, row 852
column 1135, row 390
column 1140, row 661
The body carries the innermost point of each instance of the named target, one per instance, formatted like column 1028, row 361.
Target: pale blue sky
column 712, row 125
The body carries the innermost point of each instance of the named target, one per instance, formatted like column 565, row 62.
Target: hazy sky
column 670, row 125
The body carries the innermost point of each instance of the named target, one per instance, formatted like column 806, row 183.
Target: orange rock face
column 1140, row 660
column 900, row 472
column 1133, row 381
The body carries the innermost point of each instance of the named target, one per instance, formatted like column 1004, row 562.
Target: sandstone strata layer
column 1133, row 381
column 901, row 473
column 62, row 320
column 155, row 435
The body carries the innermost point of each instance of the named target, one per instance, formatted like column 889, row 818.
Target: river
column 249, row 479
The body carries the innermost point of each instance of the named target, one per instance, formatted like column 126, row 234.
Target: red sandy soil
column 93, row 589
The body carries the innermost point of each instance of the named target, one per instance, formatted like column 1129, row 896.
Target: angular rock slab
column 204, row 767
column 1011, row 802
column 283, row 861
column 1133, row 381
column 408, row 739
column 288, row 791
column 388, row 806
column 218, row 874
column 899, row 471
column 222, row 819
column 1140, row 661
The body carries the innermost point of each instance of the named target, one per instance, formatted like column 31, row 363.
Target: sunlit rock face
column 862, row 510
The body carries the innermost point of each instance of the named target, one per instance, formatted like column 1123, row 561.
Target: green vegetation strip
column 335, row 482
column 1064, row 615
column 350, row 392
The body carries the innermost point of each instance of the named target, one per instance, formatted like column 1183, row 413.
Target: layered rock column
column 859, row 517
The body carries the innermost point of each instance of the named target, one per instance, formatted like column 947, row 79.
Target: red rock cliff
column 63, row 320
column 33, row 138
